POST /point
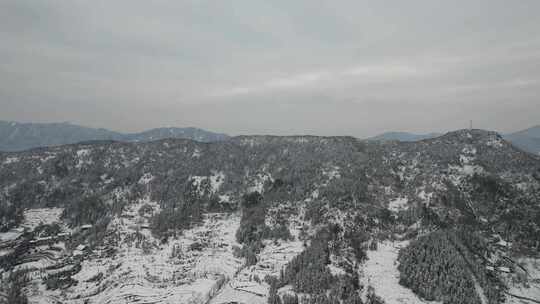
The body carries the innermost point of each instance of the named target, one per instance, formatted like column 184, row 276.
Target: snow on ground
column 10, row 235
column 331, row 172
column 224, row 198
column 83, row 158
column 83, row 152
column 216, row 180
column 189, row 268
column 42, row 257
column 257, row 184
column 244, row 288
column 466, row 167
column 146, row 178
column 380, row 272
column 479, row 290
column 426, row 197
column 151, row 272
column 34, row 217
column 530, row 290
column 10, row 160
column 337, row 271
column 398, row 204
column 249, row 142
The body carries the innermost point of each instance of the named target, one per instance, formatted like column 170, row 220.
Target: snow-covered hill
column 176, row 221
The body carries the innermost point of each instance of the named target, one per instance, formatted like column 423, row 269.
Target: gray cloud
column 253, row 66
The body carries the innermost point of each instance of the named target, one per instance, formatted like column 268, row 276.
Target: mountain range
column 272, row 219
column 528, row 140
column 16, row 136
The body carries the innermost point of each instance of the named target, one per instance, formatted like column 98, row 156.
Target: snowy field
column 34, row 217
column 532, row 289
column 143, row 270
column 380, row 272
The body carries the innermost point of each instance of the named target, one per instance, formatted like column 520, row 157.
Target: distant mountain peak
column 403, row 136
column 16, row 136
column 527, row 140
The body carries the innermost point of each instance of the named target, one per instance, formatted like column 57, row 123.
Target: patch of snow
column 146, row 178
column 83, row 158
column 34, row 217
column 83, row 152
column 425, row 196
column 224, row 198
column 331, row 172
column 334, row 270
column 10, row 160
column 243, row 288
column 380, row 272
column 258, row 182
column 10, row 235
column 398, row 204
column 251, row 142
column 479, row 290
column 106, row 180
column 216, row 180
column 532, row 288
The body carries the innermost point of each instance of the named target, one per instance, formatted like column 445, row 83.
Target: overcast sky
column 272, row 67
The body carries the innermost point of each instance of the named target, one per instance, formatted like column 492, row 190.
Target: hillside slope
column 267, row 219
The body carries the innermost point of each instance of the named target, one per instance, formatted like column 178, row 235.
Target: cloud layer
column 283, row 67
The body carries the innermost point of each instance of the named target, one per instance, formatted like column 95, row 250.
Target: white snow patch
column 83, row 152
column 334, row 270
column 34, row 217
column 380, row 271
column 10, row 235
column 425, row 196
column 331, row 172
column 146, row 178
column 196, row 153
column 83, row 158
column 10, row 160
column 532, row 288
column 216, row 180
column 224, row 198
column 258, row 182
column 106, row 180
column 398, row 204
